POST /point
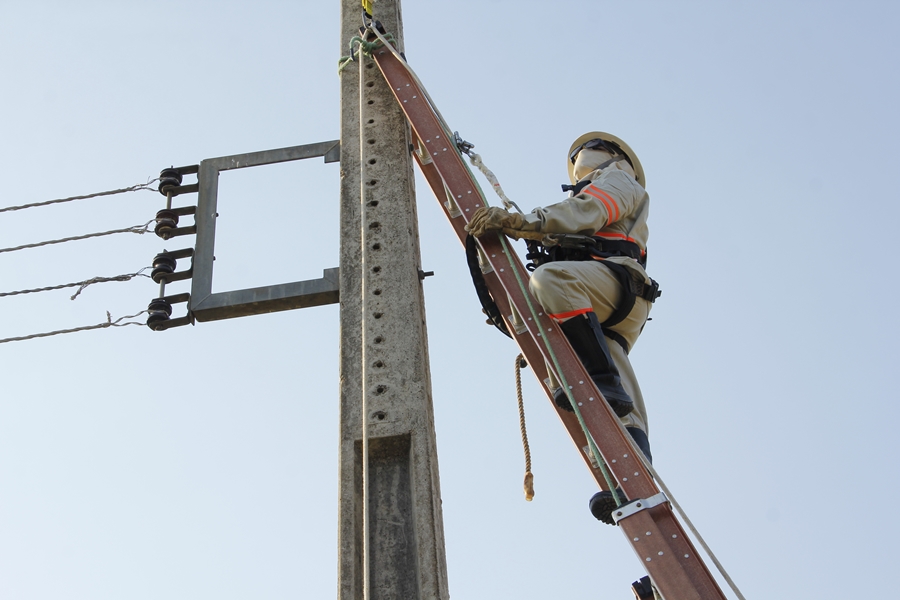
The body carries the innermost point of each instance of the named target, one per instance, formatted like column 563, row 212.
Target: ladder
column 647, row 520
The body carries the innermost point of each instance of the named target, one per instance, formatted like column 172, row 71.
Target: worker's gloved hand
column 493, row 218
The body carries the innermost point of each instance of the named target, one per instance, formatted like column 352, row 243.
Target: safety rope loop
column 133, row 188
column 109, row 323
column 529, row 477
column 139, row 229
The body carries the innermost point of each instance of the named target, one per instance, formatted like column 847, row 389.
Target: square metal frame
column 207, row 306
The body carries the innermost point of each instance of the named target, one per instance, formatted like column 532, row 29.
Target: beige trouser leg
column 569, row 288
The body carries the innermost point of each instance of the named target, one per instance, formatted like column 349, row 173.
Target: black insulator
column 163, row 265
column 160, row 305
column 168, row 178
column 159, row 311
column 166, row 221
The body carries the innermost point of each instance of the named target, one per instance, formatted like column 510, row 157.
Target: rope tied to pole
column 360, row 46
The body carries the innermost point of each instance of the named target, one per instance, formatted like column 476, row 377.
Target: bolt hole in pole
column 377, row 292
column 378, row 315
column 378, row 364
column 379, row 415
column 376, row 269
column 379, row 339
column 376, row 246
column 373, row 203
column 380, row 389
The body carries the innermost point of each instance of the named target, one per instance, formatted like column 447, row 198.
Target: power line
column 133, row 188
column 109, row 323
column 80, row 284
column 139, row 229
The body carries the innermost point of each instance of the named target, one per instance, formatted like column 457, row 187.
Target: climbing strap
column 488, row 306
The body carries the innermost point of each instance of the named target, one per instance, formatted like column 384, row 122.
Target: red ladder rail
column 651, row 528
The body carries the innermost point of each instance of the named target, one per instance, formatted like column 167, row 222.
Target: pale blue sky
column 202, row 461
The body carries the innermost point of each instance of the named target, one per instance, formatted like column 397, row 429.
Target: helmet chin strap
column 603, row 165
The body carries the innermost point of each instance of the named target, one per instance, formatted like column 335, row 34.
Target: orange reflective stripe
column 560, row 317
column 608, row 201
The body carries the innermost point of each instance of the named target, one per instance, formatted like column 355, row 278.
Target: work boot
column 588, row 342
column 602, row 504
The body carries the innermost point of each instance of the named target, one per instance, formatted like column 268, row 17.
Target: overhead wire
column 81, row 285
column 133, row 188
column 109, row 323
column 139, row 229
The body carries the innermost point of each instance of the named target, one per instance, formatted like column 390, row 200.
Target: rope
column 495, row 183
column 134, row 188
column 80, row 284
column 139, row 229
column 529, row 477
column 109, row 323
column 359, row 45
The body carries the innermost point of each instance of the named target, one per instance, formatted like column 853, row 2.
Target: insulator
column 163, row 265
column 168, row 178
column 159, row 311
column 166, row 221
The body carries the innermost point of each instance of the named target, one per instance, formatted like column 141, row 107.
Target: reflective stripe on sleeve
column 612, row 209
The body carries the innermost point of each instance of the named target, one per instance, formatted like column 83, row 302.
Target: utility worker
column 600, row 295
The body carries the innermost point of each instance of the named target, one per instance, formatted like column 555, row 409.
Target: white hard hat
column 608, row 140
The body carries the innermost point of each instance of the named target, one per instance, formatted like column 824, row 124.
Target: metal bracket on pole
column 207, row 306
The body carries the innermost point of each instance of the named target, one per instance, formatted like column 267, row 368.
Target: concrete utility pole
column 391, row 536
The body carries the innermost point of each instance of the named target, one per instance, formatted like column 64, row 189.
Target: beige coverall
column 614, row 206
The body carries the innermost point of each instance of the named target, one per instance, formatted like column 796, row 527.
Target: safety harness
column 573, row 247
column 584, row 247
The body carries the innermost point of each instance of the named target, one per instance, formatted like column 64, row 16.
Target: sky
column 202, row 461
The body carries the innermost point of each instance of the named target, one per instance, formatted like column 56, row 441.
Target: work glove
column 493, row 218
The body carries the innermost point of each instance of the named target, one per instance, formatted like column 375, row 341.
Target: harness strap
column 633, row 289
column 616, row 337
column 488, row 306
